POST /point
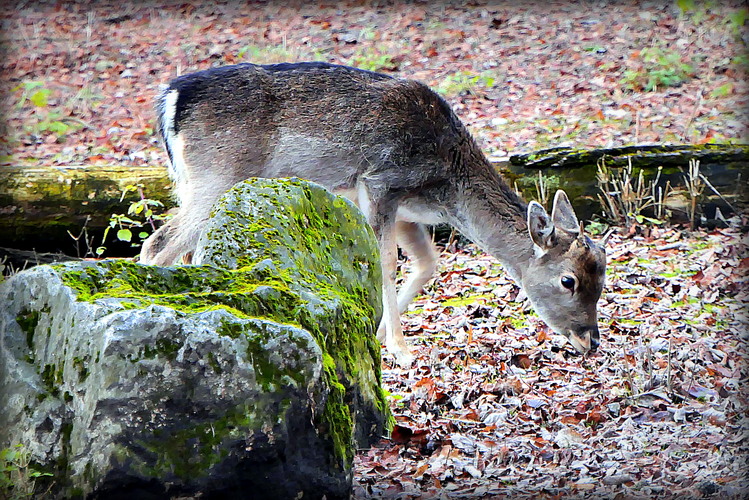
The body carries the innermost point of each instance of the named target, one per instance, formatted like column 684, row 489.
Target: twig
column 694, row 188
column 629, row 375
column 450, row 240
column 668, row 370
column 148, row 218
column 693, row 115
column 709, row 184
column 76, row 120
column 649, row 354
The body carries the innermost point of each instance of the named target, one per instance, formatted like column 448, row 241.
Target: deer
column 397, row 150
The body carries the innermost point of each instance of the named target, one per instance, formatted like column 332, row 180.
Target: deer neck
column 492, row 215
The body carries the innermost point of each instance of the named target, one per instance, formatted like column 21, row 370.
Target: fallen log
column 67, row 209
column 18, row 260
column 649, row 156
column 44, row 208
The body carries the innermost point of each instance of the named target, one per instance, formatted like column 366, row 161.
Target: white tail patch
column 168, row 99
column 175, row 143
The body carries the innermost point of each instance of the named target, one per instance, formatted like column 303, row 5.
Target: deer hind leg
column 380, row 214
column 178, row 237
column 415, row 240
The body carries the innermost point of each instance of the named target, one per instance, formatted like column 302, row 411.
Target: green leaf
column 124, row 235
column 39, row 474
column 722, row 91
column 58, row 128
column 653, row 221
column 685, row 5
column 39, row 98
column 738, row 18
column 100, row 251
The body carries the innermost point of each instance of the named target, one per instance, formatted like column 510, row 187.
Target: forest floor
column 494, row 405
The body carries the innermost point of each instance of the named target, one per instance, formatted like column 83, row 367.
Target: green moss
column 63, row 460
column 230, row 329
column 27, row 321
column 214, row 364
column 465, row 300
column 190, row 452
column 341, row 322
column 301, row 276
column 163, row 347
column 80, row 365
column 52, row 378
column 337, row 415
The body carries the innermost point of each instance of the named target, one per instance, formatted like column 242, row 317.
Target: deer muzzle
column 584, row 339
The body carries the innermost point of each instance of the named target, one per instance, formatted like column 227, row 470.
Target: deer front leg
column 390, row 331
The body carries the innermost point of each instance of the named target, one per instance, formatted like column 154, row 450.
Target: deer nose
column 586, row 338
column 592, row 332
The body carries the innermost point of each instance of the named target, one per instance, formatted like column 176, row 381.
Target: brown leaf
column 522, row 360
column 401, row 434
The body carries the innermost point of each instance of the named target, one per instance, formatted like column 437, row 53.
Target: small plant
column 624, row 199
column 17, row 475
column 542, row 190
column 699, row 12
column 737, row 20
column 659, row 194
column 46, row 120
column 658, row 68
column 37, row 97
column 140, row 215
column 544, row 186
column 374, row 62
column 464, row 82
column 262, row 55
column 695, row 186
column 741, row 62
column 722, row 91
column 269, row 55
column 88, row 241
column 689, row 8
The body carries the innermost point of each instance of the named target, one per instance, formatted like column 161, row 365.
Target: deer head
column 565, row 276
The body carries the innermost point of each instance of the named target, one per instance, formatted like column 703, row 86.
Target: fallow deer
column 399, row 152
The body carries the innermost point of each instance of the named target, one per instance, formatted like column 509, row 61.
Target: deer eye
column 568, row 282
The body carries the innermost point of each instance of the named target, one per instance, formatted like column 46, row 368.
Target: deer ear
column 563, row 214
column 540, row 226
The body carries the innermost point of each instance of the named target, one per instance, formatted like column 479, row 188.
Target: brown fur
column 392, row 145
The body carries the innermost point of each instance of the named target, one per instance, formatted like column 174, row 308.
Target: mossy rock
column 130, row 380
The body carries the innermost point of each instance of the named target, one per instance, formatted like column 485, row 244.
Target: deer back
column 326, row 123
